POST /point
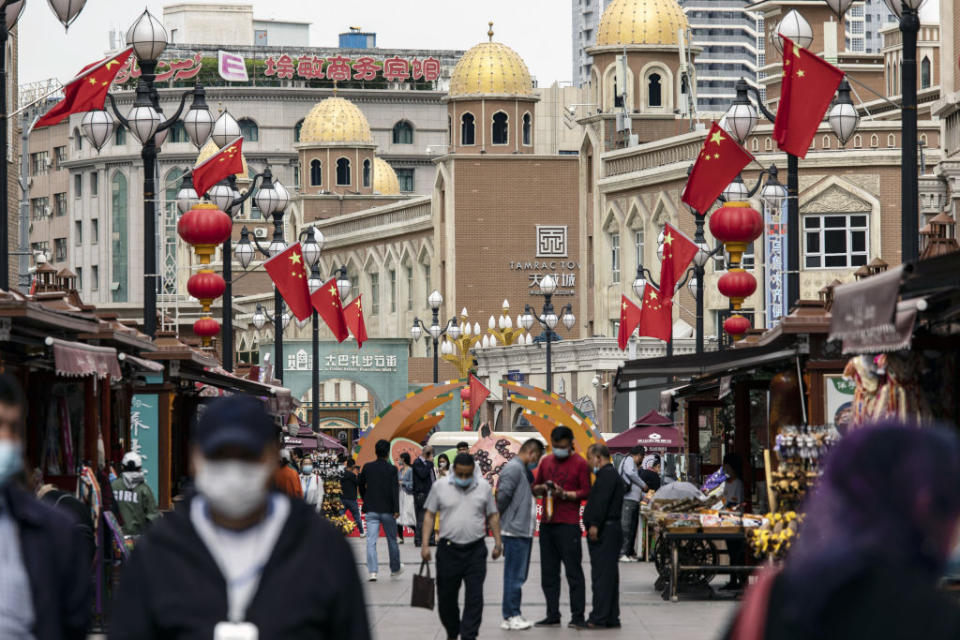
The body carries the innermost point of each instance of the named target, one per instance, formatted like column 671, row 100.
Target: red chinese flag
column 629, row 319
column 86, row 92
column 809, row 84
column 287, row 272
column 226, row 162
column 353, row 316
column 656, row 316
column 326, row 300
column 478, row 395
column 678, row 252
column 719, row 162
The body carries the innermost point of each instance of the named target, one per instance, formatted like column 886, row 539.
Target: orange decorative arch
column 548, row 410
column 408, row 415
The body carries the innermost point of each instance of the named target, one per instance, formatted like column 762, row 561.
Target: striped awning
column 76, row 359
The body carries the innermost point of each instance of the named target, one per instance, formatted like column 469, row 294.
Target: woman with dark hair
column 870, row 552
column 408, row 517
column 443, row 465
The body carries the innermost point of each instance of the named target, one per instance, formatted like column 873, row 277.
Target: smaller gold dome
column 208, row 152
column 335, row 120
column 641, row 22
column 491, row 68
column 385, row 180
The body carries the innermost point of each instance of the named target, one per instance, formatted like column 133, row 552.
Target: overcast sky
column 539, row 30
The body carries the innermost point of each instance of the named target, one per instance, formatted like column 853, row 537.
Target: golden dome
column 385, row 180
column 335, row 120
column 491, row 68
column 210, row 149
column 641, row 22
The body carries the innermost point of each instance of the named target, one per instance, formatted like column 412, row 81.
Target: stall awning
column 865, row 311
column 142, row 363
column 709, row 363
column 893, row 337
column 75, row 359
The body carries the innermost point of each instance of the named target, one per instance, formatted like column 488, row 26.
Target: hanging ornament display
column 205, row 227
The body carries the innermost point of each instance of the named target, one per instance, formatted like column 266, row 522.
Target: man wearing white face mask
column 221, row 567
column 138, row 507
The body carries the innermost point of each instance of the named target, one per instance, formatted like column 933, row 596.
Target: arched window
column 366, row 173
column 296, row 131
column 501, row 132
column 343, row 171
column 467, row 130
column 119, row 216
column 449, row 131
column 316, row 173
column 654, row 93
column 617, row 97
column 178, row 133
column 249, row 130
column 925, row 72
column 527, row 129
column 874, row 140
column 77, row 140
column 403, row 133
column 120, row 136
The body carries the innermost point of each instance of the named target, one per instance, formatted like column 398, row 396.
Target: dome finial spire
column 490, row 32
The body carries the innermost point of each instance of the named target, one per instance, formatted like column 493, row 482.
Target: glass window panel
column 858, row 241
column 835, row 261
column 858, row 221
column 834, row 221
column 858, row 260
column 813, row 243
column 835, row 241
column 811, row 222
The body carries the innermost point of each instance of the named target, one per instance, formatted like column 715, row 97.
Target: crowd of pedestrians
column 223, row 563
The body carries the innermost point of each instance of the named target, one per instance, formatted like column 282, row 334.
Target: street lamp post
column 548, row 320
column 908, row 11
column 10, row 11
column 435, row 300
column 280, row 320
column 148, row 38
column 271, row 201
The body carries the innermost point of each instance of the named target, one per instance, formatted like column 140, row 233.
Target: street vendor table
column 674, row 538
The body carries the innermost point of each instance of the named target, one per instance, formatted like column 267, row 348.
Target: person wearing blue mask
column 45, row 587
column 518, row 521
column 466, row 508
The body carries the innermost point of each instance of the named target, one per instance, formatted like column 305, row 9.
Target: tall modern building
column 864, row 20
column 727, row 34
column 586, row 18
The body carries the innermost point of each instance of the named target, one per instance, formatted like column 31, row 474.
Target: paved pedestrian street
column 645, row 616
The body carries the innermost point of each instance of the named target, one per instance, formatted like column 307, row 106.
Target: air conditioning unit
column 260, row 232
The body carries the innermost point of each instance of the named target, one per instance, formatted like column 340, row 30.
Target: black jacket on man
column 380, row 487
column 55, row 558
column 348, row 485
column 606, row 499
column 423, row 476
column 172, row 588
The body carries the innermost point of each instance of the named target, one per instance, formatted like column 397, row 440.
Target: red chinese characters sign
column 176, row 69
column 342, row 69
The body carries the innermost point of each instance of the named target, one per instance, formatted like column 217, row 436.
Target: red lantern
column 736, row 225
column 737, row 326
column 204, row 227
column 465, row 394
column 737, row 284
column 206, row 286
column 206, row 328
column 466, row 414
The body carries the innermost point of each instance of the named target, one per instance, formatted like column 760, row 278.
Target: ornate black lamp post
column 548, row 320
column 435, row 300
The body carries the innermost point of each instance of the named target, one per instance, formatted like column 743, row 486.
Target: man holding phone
column 564, row 479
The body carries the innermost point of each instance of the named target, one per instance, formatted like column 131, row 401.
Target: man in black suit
column 424, row 475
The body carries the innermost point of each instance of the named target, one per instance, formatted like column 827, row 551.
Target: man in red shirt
column 563, row 477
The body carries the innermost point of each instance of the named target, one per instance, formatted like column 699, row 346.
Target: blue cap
column 240, row 422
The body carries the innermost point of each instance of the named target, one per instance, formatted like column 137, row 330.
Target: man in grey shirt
column 630, row 516
column 466, row 506
column 518, row 511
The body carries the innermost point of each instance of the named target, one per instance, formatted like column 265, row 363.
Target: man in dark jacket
column 231, row 563
column 601, row 517
column 424, row 475
column 380, row 490
column 45, row 583
column 348, row 486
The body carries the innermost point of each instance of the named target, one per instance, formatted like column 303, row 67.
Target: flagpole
column 4, row 187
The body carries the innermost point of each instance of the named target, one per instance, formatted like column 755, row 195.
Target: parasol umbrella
column 678, row 491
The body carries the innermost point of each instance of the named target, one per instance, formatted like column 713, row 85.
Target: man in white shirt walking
column 466, row 507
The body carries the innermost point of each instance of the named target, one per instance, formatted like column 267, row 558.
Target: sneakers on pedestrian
column 363, row 534
column 505, row 625
column 626, row 559
column 372, row 577
column 519, row 623
column 394, row 574
column 548, row 622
